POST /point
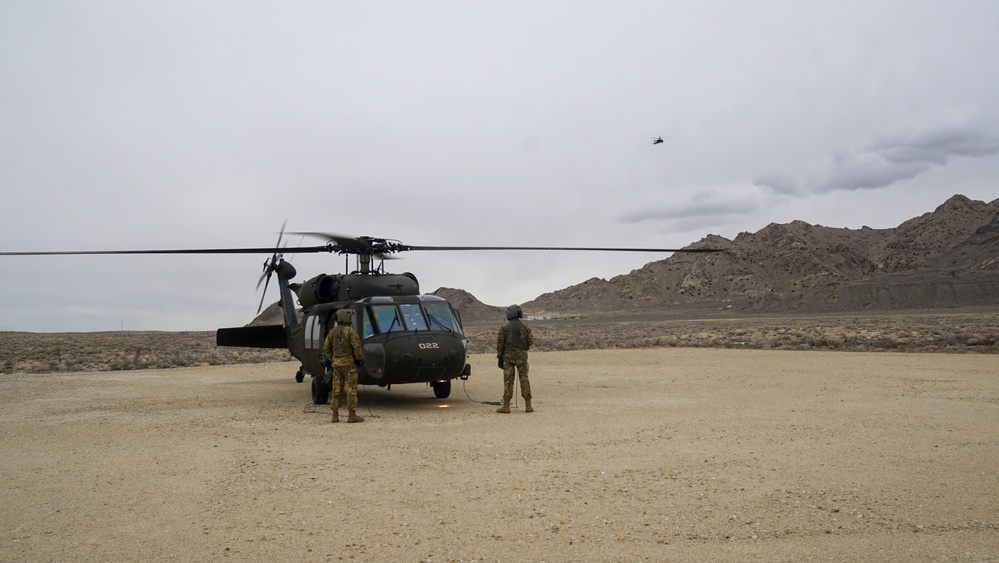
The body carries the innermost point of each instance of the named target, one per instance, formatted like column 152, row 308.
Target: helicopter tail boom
column 267, row 336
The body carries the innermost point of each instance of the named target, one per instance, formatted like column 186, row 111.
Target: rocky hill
column 471, row 309
column 945, row 258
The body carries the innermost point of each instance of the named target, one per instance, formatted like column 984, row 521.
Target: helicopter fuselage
column 404, row 339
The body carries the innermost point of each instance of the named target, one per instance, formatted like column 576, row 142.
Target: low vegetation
column 953, row 333
column 24, row 352
column 28, row 352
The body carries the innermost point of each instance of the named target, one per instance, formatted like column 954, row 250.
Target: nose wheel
column 442, row 389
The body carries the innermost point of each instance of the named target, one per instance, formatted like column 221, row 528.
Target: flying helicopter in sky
column 406, row 336
column 656, row 141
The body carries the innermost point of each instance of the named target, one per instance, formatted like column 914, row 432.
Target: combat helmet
column 343, row 316
column 514, row 312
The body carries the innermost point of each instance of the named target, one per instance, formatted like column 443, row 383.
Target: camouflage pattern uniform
column 343, row 348
column 514, row 340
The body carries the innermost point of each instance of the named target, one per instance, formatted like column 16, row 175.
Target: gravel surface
column 631, row 455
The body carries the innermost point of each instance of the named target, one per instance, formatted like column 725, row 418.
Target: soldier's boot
column 505, row 408
column 336, row 416
column 352, row 416
column 527, row 406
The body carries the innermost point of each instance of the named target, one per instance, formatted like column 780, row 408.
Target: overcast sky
column 135, row 125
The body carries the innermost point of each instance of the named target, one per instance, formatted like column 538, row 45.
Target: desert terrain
column 957, row 331
column 652, row 454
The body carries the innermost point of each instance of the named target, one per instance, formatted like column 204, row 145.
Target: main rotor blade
column 354, row 245
column 559, row 248
column 267, row 250
column 345, row 241
column 361, row 245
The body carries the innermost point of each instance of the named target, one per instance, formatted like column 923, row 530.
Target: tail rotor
column 270, row 265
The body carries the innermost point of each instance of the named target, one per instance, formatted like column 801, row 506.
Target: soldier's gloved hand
column 325, row 362
column 499, row 362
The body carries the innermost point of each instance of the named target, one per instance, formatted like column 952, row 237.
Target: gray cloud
column 890, row 162
column 939, row 145
column 702, row 210
column 865, row 170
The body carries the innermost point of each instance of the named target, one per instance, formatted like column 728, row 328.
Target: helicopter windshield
column 413, row 315
column 440, row 316
column 407, row 316
column 381, row 318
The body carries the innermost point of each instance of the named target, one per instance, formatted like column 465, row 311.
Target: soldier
column 343, row 349
column 515, row 339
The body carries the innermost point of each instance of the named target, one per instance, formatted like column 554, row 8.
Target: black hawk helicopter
column 406, row 337
column 656, row 141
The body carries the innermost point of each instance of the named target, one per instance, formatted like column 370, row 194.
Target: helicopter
column 406, row 336
column 656, row 141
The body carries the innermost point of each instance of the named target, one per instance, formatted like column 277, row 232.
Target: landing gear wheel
column 320, row 392
column 442, row 389
column 300, row 376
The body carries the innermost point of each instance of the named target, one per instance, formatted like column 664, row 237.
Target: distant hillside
column 946, row 258
column 471, row 309
column 273, row 314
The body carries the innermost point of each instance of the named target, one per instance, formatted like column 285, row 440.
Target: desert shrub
column 980, row 340
column 181, row 359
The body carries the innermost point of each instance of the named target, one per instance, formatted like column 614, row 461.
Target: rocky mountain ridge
column 945, row 258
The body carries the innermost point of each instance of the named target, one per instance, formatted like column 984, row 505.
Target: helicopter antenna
column 293, row 254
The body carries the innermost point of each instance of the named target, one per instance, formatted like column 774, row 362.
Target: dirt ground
column 632, row 455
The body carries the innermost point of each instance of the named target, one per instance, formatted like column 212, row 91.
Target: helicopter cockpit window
column 367, row 325
column 440, row 317
column 381, row 318
column 413, row 315
column 386, row 318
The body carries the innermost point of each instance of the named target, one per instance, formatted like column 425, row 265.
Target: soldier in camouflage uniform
column 512, row 344
column 343, row 348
